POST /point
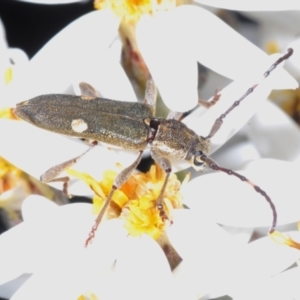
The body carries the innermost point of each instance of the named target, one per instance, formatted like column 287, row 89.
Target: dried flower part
column 282, row 239
column 130, row 12
column 135, row 201
column 132, row 60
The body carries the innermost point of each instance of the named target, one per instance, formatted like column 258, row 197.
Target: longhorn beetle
column 132, row 126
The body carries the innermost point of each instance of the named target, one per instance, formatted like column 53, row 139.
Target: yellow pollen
column 272, row 47
column 282, row 239
column 9, row 175
column 7, row 113
column 135, row 201
column 88, row 297
column 133, row 9
column 8, row 75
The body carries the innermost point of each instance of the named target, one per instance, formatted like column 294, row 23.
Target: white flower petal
column 92, row 263
column 295, row 59
column 252, row 5
column 106, row 75
column 170, row 49
column 106, row 246
column 9, row 288
column 14, row 250
column 24, row 245
column 63, row 238
column 206, row 249
column 36, row 208
column 271, row 130
column 241, row 235
column 142, row 271
column 62, row 243
column 201, row 230
column 229, row 201
column 259, row 261
column 287, row 283
column 62, row 281
column 237, row 56
column 236, row 151
column 241, row 114
column 18, row 56
column 42, row 150
column 68, row 54
column 169, row 59
column 190, row 282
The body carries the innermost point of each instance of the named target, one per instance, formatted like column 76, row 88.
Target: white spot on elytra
column 79, row 125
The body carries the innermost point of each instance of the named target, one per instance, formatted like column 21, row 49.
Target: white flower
column 11, row 61
column 266, row 270
column 50, row 244
column 170, row 48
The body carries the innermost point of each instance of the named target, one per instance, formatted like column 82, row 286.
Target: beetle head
column 200, row 150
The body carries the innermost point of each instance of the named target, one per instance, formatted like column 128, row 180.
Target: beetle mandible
column 136, row 127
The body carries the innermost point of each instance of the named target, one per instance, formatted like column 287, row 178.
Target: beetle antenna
column 219, row 121
column 214, row 166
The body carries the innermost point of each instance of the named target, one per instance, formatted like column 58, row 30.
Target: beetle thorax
column 170, row 138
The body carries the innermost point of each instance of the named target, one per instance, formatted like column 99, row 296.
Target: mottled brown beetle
column 129, row 125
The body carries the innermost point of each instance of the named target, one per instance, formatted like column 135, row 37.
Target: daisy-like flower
column 170, row 50
column 113, row 259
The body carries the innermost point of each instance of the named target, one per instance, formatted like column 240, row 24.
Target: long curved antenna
column 219, row 121
column 214, row 166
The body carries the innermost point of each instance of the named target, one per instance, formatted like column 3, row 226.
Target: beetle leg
column 52, row 173
column 165, row 164
column 119, row 181
column 174, row 115
column 206, row 104
column 151, row 95
column 212, row 102
column 87, row 91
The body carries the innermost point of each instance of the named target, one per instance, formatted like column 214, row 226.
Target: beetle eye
column 198, row 162
column 197, row 159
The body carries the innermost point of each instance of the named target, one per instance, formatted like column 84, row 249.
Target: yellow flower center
column 133, row 9
column 135, row 201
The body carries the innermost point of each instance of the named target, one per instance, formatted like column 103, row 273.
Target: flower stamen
column 135, row 201
column 282, row 239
